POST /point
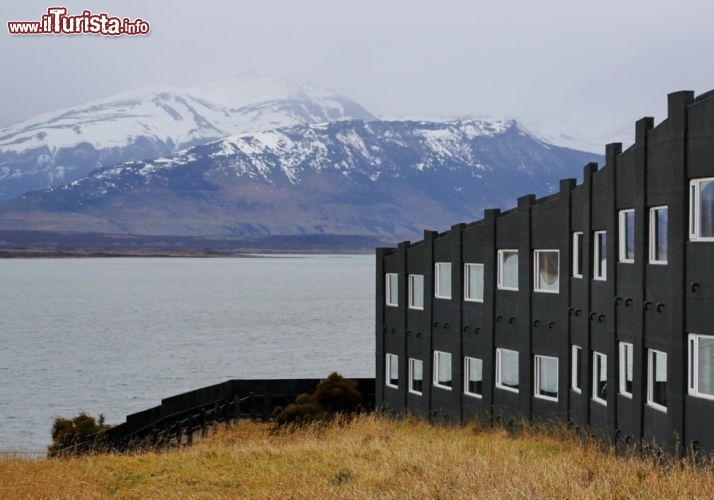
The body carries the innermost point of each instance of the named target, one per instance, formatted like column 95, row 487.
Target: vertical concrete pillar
column 677, row 360
column 525, row 294
column 489, row 311
column 588, row 172
column 429, row 237
column 566, row 266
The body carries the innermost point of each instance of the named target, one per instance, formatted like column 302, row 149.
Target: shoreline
column 45, row 244
column 49, row 253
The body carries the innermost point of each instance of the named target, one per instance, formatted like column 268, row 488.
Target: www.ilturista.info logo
column 57, row 22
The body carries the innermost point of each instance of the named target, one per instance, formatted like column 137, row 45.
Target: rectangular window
column 576, row 383
column 442, row 370
column 547, row 271
column 578, row 255
column 657, row 379
column 701, row 366
column 600, row 255
column 507, row 369
column 416, row 376
column 392, row 289
column 658, row 235
column 627, row 235
column 473, row 282
column 701, row 210
column 392, row 371
column 442, row 284
column 600, row 378
column 546, row 377
column 626, row 369
column 416, row 291
column 473, row 377
column 508, row 270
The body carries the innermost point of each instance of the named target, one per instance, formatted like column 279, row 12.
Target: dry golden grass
column 371, row 457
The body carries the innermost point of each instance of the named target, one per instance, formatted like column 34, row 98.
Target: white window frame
column 388, row 294
column 576, row 352
column 596, row 366
column 536, row 273
column 622, row 243
column 391, row 358
column 467, row 281
column 693, row 371
column 499, row 266
column 410, row 294
column 651, row 379
column 695, row 209
column 438, row 293
column 622, row 351
column 653, row 231
column 467, row 362
column 577, row 235
column 537, row 359
column 411, row 376
column 435, row 374
column 596, row 256
column 499, row 385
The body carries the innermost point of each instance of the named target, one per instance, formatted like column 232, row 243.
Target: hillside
column 369, row 458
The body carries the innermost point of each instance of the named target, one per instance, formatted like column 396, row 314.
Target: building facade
column 594, row 305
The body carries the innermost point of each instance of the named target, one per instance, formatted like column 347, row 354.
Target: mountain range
column 261, row 157
column 349, row 177
column 59, row 147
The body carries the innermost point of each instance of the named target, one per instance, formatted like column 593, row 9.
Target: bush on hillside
column 333, row 395
column 337, row 394
column 69, row 432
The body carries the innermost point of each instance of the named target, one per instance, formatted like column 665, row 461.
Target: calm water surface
column 114, row 336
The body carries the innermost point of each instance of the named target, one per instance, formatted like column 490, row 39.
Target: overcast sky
column 556, row 65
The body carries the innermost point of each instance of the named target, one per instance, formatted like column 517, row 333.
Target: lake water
column 114, row 336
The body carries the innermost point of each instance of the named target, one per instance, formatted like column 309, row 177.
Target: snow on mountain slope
column 383, row 178
column 354, row 147
column 585, row 134
column 57, row 147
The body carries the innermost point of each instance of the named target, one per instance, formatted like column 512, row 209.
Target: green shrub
column 305, row 409
column 66, row 432
column 337, row 394
column 333, row 395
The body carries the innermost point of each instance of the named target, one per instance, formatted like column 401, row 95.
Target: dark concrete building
column 594, row 305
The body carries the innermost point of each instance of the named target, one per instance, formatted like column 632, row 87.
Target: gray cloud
column 554, row 64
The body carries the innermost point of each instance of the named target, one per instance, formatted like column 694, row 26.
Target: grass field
column 370, row 457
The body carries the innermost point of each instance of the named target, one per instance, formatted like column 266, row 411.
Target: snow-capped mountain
column 386, row 178
column 585, row 134
column 59, row 147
